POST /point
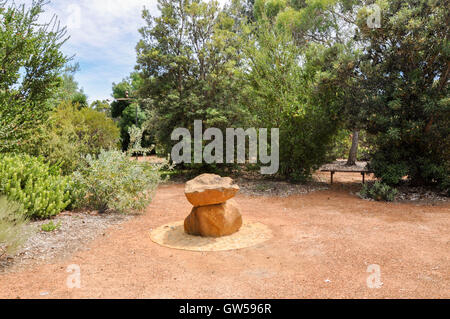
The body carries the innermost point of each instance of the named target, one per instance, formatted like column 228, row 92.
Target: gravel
column 421, row 194
column 277, row 188
column 76, row 231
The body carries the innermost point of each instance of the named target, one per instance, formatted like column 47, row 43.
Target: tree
column 69, row 90
column 282, row 94
column 124, row 92
column 127, row 107
column 72, row 133
column 189, row 60
column 392, row 80
column 246, row 9
column 102, row 107
column 346, row 76
column 133, row 116
column 80, row 99
column 333, row 24
column 30, row 63
column 409, row 71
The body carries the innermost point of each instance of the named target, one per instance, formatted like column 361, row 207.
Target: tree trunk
column 354, row 150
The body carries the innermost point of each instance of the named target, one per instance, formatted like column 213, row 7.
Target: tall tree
column 281, row 77
column 334, row 24
column 30, row 63
column 127, row 107
column 409, row 71
column 189, row 59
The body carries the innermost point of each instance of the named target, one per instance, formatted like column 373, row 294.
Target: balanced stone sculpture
column 215, row 214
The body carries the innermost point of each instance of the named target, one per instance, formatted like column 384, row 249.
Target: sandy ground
column 324, row 243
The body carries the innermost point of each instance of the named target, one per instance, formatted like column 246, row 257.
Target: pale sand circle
column 173, row 236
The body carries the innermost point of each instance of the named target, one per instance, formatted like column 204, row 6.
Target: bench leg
column 332, row 174
column 364, row 177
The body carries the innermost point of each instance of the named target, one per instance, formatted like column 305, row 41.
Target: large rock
column 214, row 220
column 209, row 189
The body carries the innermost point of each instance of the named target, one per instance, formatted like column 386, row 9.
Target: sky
column 103, row 35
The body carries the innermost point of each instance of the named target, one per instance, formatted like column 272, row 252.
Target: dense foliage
column 378, row 191
column 128, row 110
column 390, row 80
column 281, row 94
column 38, row 187
column 189, row 59
column 115, row 181
column 30, row 65
column 71, row 134
column 410, row 108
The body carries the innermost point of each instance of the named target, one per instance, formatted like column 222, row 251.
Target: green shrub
column 115, row 181
column 387, row 170
column 71, row 134
column 13, row 230
column 285, row 96
column 393, row 165
column 50, row 227
column 35, row 185
column 379, row 192
column 312, row 136
column 97, row 131
column 409, row 102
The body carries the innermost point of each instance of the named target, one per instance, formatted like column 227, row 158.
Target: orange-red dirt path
column 323, row 244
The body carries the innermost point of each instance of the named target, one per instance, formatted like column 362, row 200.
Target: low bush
column 13, row 229
column 379, row 192
column 97, row 130
column 37, row 186
column 115, row 181
column 50, row 227
column 71, row 134
column 390, row 172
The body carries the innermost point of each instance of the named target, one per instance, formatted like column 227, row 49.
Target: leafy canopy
column 30, row 63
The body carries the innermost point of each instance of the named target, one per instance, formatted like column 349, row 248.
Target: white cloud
column 102, row 23
column 103, row 36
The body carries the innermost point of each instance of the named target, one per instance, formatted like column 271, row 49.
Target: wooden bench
column 340, row 167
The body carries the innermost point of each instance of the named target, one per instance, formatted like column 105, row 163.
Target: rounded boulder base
column 214, row 220
column 210, row 189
